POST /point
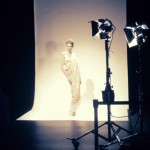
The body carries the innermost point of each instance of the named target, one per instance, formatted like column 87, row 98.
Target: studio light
column 102, row 28
column 136, row 35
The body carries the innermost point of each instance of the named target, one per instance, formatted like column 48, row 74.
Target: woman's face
column 69, row 47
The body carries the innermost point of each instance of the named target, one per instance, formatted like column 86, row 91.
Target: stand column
column 95, row 104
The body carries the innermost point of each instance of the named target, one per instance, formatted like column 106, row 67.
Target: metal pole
column 95, row 104
column 108, row 87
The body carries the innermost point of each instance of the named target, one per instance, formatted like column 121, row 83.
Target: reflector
column 102, row 28
column 136, row 36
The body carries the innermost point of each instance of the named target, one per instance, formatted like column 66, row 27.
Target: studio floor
column 52, row 135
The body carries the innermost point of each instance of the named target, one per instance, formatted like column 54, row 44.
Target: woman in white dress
column 70, row 68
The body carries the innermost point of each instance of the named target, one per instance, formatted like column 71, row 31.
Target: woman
column 70, row 68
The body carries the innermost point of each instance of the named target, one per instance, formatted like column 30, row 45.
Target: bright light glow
column 55, row 22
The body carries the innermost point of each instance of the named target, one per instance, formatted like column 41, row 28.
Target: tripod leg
column 75, row 143
column 121, row 128
column 117, row 137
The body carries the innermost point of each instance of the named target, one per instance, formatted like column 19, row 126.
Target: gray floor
column 52, row 135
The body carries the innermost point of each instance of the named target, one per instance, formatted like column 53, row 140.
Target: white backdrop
column 55, row 22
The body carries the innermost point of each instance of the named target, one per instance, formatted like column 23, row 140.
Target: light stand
column 108, row 98
column 135, row 37
column 108, row 94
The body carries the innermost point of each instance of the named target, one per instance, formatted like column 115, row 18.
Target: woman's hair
column 70, row 41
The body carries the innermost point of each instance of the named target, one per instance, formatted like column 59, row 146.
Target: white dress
column 71, row 70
